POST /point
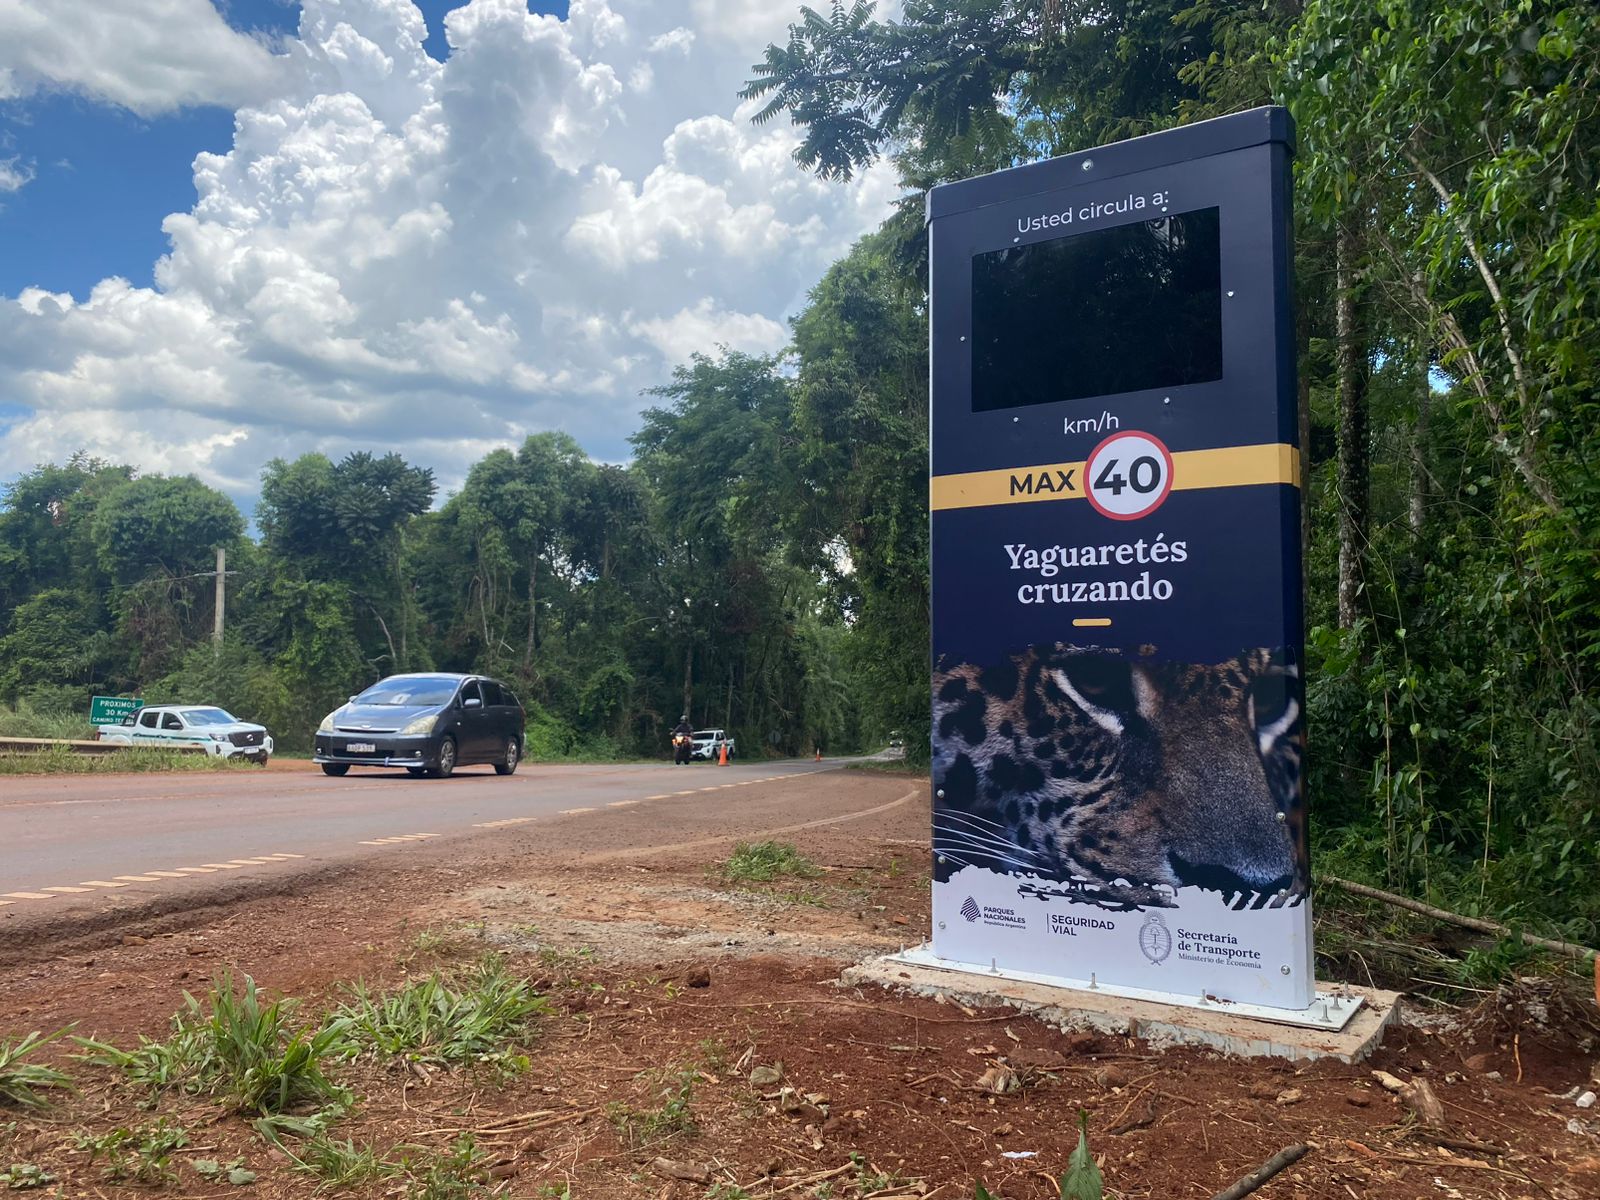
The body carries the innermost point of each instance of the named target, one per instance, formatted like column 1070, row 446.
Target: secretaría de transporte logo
column 1155, row 939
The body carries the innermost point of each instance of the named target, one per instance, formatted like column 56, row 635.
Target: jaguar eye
column 1102, row 681
column 1269, row 700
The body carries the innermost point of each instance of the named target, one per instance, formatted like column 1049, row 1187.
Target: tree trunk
column 405, row 606
column 533, row 611
column 1417, row 506
column 1354, row 468
column 688, row 676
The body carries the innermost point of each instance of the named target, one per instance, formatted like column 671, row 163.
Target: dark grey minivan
column 430, row 724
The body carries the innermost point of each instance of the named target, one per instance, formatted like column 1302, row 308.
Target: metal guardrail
column 15, row 745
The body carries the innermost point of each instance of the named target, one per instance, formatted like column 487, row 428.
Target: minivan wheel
column 508, row 761
column 447, row 759
column 335, row 768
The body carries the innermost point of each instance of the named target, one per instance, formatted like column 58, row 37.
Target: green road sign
column 110, row 710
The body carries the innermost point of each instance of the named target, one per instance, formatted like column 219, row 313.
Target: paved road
column 70, row 841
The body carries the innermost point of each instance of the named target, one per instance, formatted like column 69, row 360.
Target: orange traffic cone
column 819, row 753
column 722, row 759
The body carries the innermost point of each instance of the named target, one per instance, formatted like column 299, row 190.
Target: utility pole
column 222, row 575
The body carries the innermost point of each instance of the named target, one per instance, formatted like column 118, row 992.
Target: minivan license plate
column 359, row 747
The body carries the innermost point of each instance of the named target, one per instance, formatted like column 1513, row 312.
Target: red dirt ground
column 659, row 971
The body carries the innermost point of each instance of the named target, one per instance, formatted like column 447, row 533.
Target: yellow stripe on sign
column 1230, row 466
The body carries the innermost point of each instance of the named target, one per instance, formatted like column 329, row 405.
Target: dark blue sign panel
column 1117, row 630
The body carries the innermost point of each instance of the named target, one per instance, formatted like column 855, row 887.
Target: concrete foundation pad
column 1159, row 1024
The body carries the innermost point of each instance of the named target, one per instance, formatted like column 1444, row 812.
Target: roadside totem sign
column 1117, row 627
column 111, row 710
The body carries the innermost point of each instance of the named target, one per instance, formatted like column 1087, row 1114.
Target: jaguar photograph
column 1115, row 779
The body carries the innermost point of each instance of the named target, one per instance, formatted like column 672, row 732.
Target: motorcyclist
column 682, row 740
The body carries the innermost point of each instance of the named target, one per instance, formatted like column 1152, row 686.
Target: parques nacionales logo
column 969, row 910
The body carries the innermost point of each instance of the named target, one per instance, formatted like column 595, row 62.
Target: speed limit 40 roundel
column 1128, row 475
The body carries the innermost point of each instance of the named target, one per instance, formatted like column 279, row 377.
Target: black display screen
column 1095, row 314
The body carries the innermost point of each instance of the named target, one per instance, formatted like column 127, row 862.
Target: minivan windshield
column 418, row 691
column 209, row 716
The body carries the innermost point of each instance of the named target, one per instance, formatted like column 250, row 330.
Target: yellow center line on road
column 621, row 803
column 572, row 812
column 228, row 866
column 138, row 879
column 662, row 796
column 68, row 889
column 167, row 874
column 29, row 896
column 100, row 883
column 288, row 855
column 197, row 870
column 690, row 792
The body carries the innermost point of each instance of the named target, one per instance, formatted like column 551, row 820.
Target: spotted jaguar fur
column 1071, row 764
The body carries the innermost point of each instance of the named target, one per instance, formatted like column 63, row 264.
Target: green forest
column 762, row 560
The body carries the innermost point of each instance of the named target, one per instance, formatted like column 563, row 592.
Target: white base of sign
column 1193, row 944
column 1329, row 1010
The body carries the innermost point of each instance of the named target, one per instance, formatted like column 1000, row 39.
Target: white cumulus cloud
column 398, row 253
column 150, row 56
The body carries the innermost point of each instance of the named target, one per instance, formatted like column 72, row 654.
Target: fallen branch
column 1465, row 1144
column 1570, row 949
column 1286, row 1157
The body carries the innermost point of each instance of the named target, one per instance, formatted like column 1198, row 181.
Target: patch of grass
column 670, row 1118
column 762, row 862
column 58, row 760
column 141, row 1155
column 889, row 766
column 435, row 943
column 340, row 1164
column 714, row 1054
column 727, row 1191
column 238, row 1048
column 436, row 1020
column 23, row 1084
column 458, row 1175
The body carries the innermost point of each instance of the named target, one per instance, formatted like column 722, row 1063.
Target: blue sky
column 390, row 245
column 105, row 178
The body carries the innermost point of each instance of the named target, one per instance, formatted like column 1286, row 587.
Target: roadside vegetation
column 25, row 1084
column 763, row 561
column 25, row 721
column 762, row 862
column 268, row 1063
column 59, row 760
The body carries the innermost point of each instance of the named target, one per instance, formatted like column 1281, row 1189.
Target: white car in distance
column 708, row 743
column 215, row 730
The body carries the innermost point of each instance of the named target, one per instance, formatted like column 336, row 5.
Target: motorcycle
column 681, row 745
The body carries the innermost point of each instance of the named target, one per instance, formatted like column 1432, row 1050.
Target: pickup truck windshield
column 421, row 692
column 209, row 716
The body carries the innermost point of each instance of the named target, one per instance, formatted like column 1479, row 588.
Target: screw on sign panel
column 1128, row 475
